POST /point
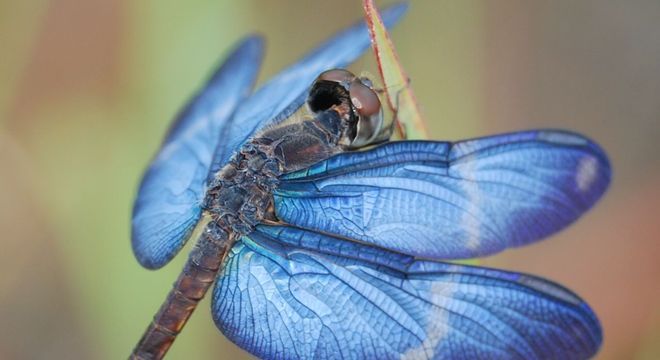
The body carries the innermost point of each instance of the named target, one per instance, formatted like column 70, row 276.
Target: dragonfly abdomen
column 196, row 278
column 236, row 201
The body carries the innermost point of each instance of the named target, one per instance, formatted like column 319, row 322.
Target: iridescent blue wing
column 168, row 201
column 280, row 301
column 286, row 92
column 449, row 200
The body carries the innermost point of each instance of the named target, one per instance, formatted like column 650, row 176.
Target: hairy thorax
column 240, row 196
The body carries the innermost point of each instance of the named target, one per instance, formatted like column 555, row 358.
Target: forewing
column 168, row 200
column 449, row 200
column 280, row 301
column 286, row 92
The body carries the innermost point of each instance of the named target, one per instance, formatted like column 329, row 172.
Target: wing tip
column 591, row 334
column 571, row 138
column 247, row 51
column 155, row 246
column 253, row 44
column 146, row 258
column 587, row 328
column 392, row 14
column 594, row 172
column 595, row 325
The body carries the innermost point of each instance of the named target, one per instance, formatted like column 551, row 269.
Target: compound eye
column 364, row 99
column 341, row 76
column 370, row 113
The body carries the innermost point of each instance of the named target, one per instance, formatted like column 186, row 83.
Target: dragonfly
column 324, row 238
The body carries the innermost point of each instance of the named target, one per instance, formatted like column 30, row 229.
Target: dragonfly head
column 355, row 96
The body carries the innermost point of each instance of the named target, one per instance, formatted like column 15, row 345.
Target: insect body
column 240, row 194
column 322, row 244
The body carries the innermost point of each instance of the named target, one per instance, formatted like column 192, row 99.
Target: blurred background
column 88, row 89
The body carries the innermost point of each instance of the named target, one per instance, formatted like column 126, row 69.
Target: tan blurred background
column 88, row 87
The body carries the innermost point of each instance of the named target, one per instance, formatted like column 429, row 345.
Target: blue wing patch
column 168, row 201
column 281, row 302
column 286, row 92
column 449, row 200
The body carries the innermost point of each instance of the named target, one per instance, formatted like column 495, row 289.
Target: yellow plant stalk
column 399, row 94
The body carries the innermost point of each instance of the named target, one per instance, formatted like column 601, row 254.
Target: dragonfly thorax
column 241, row 192
column 240, row 196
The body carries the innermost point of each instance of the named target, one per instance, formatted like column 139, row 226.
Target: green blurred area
column 89, row 87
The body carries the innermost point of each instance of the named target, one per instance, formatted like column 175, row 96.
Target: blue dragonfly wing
column 449, row 200
column 168, row 200
column 286, row 92
column 280, row 301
